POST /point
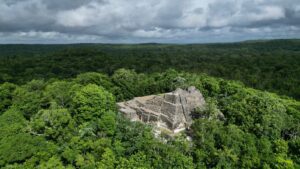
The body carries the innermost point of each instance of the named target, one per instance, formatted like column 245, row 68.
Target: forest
column 58, row 105
column 272, row 65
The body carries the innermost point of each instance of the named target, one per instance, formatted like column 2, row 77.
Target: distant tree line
column 267, row 65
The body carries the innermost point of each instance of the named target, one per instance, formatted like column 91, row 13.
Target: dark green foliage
column 259, row 113
column 53, row 124
column 107, row 123
column 94, row 78
column 128, row 81
column 6, row 90
column 267, row 65
column 20, row 147
column 60, row 93
column 294, row 149
column 29, row 98
column 73, row 123
column 11, row 122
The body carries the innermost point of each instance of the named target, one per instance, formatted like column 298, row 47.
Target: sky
column 144, row 21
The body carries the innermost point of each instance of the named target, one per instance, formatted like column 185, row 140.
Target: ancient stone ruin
column 169, row 111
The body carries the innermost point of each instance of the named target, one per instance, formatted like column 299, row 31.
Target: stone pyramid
column 170, row 111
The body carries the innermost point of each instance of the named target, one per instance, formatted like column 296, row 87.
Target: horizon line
column 154, row 43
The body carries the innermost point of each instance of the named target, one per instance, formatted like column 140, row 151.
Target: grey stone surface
column 169, row 111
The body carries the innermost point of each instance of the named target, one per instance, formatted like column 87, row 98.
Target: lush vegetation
column 267, row 65
column 74, row 123
column 57, row 105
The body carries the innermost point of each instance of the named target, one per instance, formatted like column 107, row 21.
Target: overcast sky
column 137, row 21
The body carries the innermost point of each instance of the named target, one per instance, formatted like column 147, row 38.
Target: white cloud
column 268, row 13
column 147, row 20
column 83, row 16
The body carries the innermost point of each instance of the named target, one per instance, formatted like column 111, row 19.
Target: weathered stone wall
column 171, row 111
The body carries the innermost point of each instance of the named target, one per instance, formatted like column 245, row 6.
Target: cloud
column 268, row 13
column 56, row 21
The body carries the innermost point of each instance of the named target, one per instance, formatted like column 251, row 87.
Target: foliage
column 73, row 123
column 6, row 90
column 267, row 65
column 53, row 124
column 92, row 102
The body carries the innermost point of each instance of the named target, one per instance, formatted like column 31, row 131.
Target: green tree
column 107, row 123
column 53, row 124
column 53, row 162
column 135, row 161
column 29, row 98
column 94, row 78
column 12, row 122
column 91, row 102
column 6, row 90
column 60, row 92
column 22, row 146
column 107, row 160
column 127, row 81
